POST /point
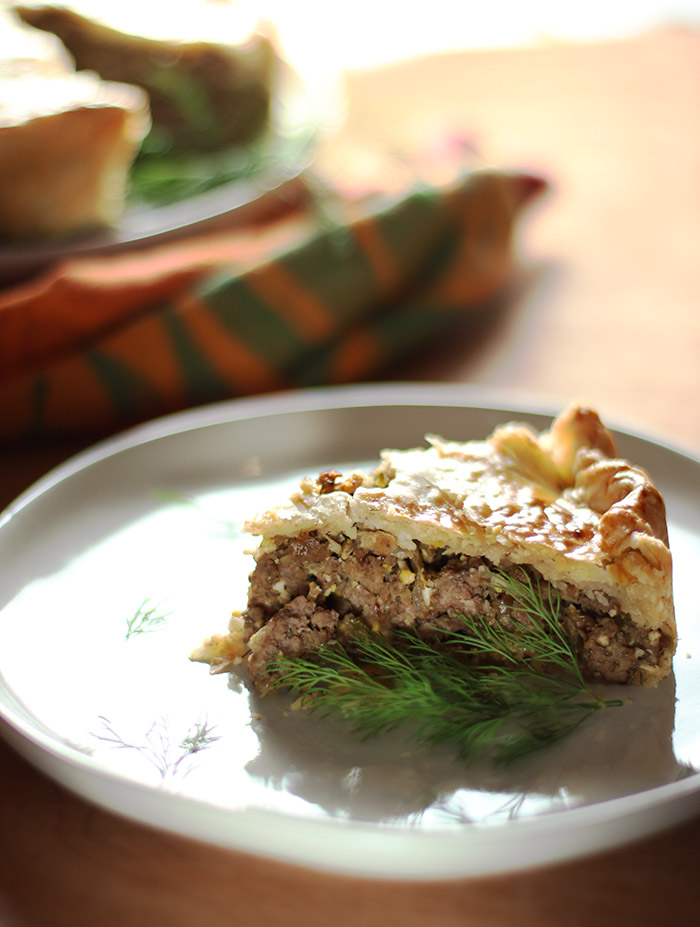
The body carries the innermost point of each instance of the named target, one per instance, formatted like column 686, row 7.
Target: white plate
column 150, row 520
column 304, row 111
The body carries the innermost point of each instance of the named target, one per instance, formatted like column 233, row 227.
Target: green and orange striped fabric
column 98, row 344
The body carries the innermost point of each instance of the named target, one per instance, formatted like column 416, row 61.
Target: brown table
column 606, row 311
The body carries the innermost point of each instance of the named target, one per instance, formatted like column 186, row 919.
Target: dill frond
column 484, row 689
column 145, row 619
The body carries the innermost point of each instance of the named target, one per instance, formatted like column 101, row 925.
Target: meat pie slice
column 415, row 543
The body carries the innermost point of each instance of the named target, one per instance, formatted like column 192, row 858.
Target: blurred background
column 600, row 100
column 372, row 32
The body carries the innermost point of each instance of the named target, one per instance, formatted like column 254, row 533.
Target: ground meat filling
column 303, row 587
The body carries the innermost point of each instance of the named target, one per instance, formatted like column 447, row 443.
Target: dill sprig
column 157, row 746
column 145, row 619
column 486, row 689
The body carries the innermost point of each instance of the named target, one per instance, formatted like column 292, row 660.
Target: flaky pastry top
column 559, row 501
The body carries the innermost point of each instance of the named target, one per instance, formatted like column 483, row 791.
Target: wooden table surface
column 606, row 311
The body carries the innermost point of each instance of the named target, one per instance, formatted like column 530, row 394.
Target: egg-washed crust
column 67, row 142
column 559, row 505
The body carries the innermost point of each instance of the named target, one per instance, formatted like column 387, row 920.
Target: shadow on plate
column 616, row 752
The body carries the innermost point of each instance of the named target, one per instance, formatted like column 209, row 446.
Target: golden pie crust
column 67, row 143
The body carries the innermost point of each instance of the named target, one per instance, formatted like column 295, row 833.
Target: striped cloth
column 98, row 344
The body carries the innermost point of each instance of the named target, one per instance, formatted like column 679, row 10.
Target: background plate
column 303, row 111
column 116, row 564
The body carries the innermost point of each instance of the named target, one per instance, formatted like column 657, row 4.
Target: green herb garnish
column 145, row 619
column 162, row 176
column 483, row 690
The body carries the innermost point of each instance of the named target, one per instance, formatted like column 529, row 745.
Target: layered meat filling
column 304, row 590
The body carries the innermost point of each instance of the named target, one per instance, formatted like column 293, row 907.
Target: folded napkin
column 332, row 292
